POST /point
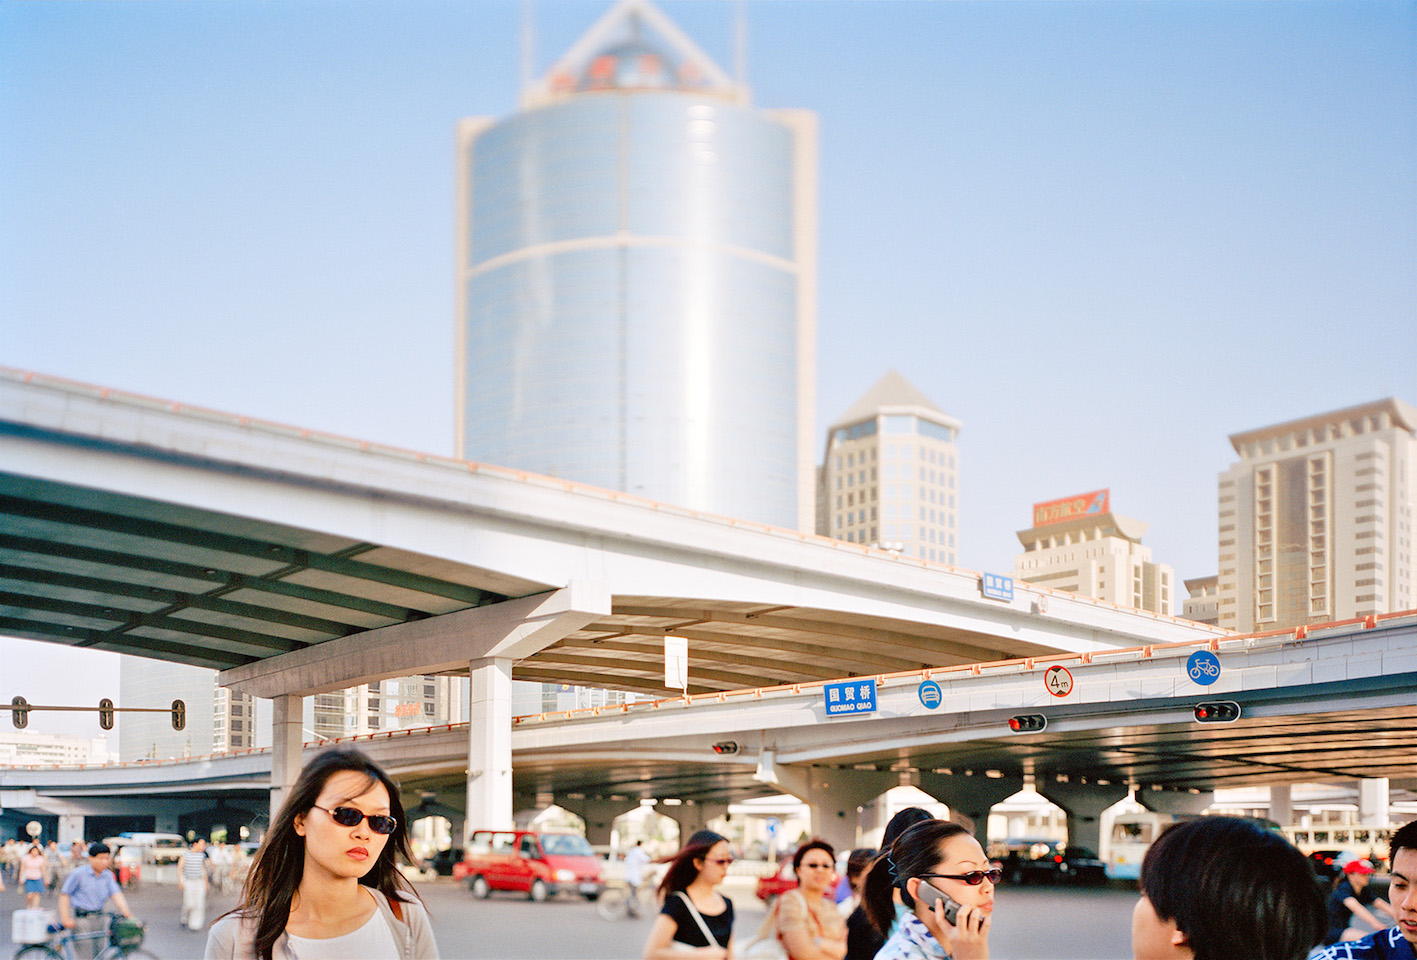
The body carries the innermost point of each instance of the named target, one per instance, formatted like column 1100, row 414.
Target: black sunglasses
column 974, row 877
column 350, row 817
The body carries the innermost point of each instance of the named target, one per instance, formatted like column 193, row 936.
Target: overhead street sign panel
column 997, row 587
column 850, row 697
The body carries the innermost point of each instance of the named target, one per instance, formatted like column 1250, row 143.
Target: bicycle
column 617, row 900
column 124, row 939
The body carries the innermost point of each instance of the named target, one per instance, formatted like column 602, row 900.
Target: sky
column 1104, row 236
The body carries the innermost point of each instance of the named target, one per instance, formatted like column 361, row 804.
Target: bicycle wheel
column 135, row 953
column 612, row 904
column 37, row 951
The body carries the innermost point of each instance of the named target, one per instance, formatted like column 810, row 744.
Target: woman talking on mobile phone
column 325, row 883
column 947, row 885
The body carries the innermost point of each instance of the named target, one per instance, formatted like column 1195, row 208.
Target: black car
column 1080, row 865
column 442, row 862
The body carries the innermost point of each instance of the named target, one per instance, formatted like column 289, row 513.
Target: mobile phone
column 928, row 893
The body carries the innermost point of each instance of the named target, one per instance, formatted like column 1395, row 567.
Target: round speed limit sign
column 1058, row 681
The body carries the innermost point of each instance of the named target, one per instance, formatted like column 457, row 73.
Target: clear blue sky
column 1103, row 235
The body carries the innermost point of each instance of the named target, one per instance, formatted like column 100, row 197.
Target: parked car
column 442, row 862
column 541, row 865
column 779, row 881
column 1080, row 865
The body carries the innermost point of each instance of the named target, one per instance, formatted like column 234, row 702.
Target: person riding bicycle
column 635, row 862
column 87, row 889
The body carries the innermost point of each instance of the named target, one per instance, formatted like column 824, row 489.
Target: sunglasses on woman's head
column 974, row 877
column 350, row 817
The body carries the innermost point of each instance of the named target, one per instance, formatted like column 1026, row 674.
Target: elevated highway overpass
column 296, row 563
column 1331, row 704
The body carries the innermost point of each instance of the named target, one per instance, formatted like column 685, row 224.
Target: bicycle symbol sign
column 1203, row 667
column 1058, row 681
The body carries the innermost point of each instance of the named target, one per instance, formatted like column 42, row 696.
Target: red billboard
column 1070, row 508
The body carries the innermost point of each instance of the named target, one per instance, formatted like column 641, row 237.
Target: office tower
column 1078, row 544
column 233, row 721
column 637, row 279
column 890, row 474
column 154, row 684
column 396, row 704
column 1203, row 601
column 1316, row 519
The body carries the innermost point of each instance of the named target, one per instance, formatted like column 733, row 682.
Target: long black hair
column 1234, row 889
column 684, row 868
column 280, row 862
column 914, row 852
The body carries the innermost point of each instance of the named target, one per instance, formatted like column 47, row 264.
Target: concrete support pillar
column 1281, row 805
column 1373, row 803
column 693, row 817
column 286, row 744
column 970, row 798
column 1083, row 803
column 1178, row 802
column 599, row 815
column 489, row 749
column 71, row 828
column 834, row 797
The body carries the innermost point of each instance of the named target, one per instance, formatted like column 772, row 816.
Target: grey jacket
column 231, row 937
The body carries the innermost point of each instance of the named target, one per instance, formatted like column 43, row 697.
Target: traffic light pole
column 20, row 709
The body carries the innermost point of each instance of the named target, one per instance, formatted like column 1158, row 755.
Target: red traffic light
column 725, row 747
column 1028, row 723
column 1218, row 711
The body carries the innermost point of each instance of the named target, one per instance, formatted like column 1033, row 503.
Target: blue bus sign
column 847, row 697
column 997, row 587
column 931, row 695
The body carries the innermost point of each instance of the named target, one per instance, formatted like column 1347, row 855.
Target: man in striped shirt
column 194, row 885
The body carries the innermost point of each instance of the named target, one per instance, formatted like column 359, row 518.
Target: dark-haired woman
column 325, row 883
column 696, row 921
column 808, row 923
column 944, row 856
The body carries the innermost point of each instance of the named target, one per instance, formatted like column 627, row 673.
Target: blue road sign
column 1203, row 667
column 997, row 587
column 931, row 695
column 847, row 697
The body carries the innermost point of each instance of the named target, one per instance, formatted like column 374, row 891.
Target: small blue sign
column 931, row 695
column 1203, row 667
column 850, row 697
column 997, row 587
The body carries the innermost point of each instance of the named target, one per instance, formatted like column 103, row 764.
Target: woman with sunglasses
column 325, row 883
column 697, row 921
column 808, row 922
column 928, row 863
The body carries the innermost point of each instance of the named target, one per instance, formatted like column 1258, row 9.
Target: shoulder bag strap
column 708, row 934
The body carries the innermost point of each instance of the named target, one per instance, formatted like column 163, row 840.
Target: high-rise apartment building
column 890, row 474
column 637, row 279
column 1078, row 544
column 233, row 720
column 1316, row 519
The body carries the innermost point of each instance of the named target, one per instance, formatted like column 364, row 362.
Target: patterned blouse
column 912, row 941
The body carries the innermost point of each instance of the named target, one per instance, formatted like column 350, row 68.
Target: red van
column 540, row 865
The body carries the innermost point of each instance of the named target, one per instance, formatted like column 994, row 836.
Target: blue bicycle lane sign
column 1203, row 667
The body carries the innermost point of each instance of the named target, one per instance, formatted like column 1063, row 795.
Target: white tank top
column 373, row 941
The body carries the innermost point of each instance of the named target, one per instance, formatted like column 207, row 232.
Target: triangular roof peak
column 633, row 46
column 897, row 393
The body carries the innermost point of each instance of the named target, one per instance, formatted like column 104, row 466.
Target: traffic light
column 725, row 747
column 179, row 714
column 105, row 713
column 19, row 712
column 1028, row 723
column 1218, row 711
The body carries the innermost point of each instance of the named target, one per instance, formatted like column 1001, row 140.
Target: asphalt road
column 1030, row 923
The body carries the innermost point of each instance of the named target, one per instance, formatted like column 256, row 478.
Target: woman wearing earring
column 945, row 882
column 325, row 883
column 697, row 921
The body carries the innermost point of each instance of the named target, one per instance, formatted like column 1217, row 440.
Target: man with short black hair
column 1398, row 942
column 86, row 890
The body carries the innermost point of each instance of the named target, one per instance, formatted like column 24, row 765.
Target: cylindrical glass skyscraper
column 637, row 273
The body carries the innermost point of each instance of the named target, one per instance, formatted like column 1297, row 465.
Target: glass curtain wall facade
column 632, row 310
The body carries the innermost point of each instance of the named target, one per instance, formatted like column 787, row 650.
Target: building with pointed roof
column 890, row 474
column 1316, row 519
column 637, row 279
